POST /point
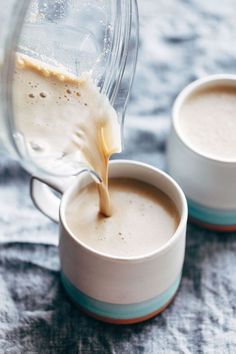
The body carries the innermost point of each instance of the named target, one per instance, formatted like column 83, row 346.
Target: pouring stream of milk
column 62, row 117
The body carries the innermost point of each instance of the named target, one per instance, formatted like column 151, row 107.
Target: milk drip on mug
column 66, row 67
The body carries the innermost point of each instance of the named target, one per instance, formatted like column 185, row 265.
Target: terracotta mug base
column 212, row 227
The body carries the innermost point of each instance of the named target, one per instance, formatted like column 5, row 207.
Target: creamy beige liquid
column 143, row 218
column 207, row 121
column 64, row 121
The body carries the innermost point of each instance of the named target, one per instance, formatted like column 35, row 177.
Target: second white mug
column 209, row 183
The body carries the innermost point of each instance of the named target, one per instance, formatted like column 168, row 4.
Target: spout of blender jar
column 46, row 192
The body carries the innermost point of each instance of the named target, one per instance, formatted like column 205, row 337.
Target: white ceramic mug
column 117, row 289
column 208, row 183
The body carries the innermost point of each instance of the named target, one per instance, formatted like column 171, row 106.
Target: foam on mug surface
column 143, row 218
column 207, row 121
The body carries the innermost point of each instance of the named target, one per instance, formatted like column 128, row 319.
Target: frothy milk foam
column 62, row 119
column 207, row 121
column 143, row 218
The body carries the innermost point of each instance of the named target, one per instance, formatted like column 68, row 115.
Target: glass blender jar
column 96, row 36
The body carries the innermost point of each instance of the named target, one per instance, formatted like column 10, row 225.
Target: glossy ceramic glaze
column 120, row 289
column 208, row 183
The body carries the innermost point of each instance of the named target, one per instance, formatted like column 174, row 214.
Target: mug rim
column 178, row 103
column 178, row 232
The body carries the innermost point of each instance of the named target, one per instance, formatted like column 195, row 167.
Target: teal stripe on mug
column 211, row 216
column 116, row 311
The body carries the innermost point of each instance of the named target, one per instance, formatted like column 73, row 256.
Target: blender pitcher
column 99, row 37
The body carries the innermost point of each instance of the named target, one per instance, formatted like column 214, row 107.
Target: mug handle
column 43, row 197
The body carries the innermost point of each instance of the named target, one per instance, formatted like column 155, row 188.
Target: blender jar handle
column 44, row 192
column 44, row 197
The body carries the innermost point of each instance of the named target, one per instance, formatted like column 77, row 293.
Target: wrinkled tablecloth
column 179, row 41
